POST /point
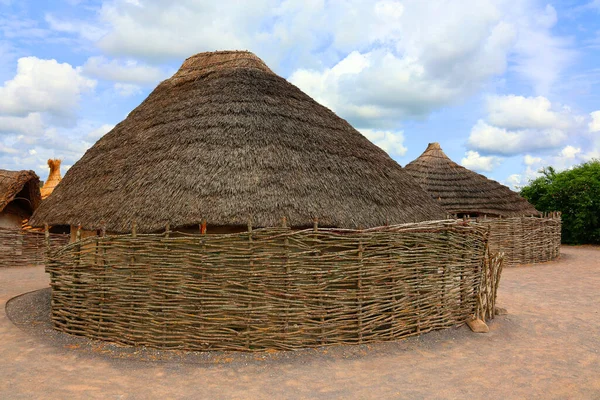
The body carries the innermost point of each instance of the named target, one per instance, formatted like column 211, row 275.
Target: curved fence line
column 525, row 240
column 274, row 288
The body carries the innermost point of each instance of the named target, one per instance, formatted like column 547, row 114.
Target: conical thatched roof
column 462, row 191
column 53, row 178
column 225, row 139
column 21, row 186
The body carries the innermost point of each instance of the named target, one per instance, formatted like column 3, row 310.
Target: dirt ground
column 547, row 347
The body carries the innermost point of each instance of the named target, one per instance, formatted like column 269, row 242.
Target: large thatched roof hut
column 462, row 191
column 227, row 140
column 19, row 197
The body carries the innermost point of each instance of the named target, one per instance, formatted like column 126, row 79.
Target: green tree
column 575, row 192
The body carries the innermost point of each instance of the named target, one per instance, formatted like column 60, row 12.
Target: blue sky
column 506, row 87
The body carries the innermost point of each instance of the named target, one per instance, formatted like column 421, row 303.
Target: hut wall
column 10, row 221
column 274, row 288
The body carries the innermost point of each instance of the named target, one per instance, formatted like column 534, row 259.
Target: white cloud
column 129, row 71
column 4, row 149
column 473, row 160
column 569, row 152
column 530, row 160
column 517, row 125
column 541, row 56
column 43, row 86
column 97, row 133
column 85, row 30
column 518, row 112
column 127, row 89
column 391, row 142
column 31, row 124
column 594, row 125
column 491, row 139
column 514, row 181
column 410, row 71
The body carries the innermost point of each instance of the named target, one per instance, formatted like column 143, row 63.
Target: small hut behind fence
column 19, row 198
column 517, row 228
column 241, row 214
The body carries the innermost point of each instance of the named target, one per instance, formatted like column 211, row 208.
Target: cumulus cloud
column 391, row 142
column 473, row 160
column 569, row 152
column 86, row 30
column 541, row 56
column 518, row 112
column 97, row 133
column 128, row 71
column 30, row 125
column 494, row 140
column 594, row 125
column 43, row 86
column 530, row 160
column 517, row 125
column 410, row 71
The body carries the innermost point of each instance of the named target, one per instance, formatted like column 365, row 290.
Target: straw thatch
column 19, row 186
column 54, row 178
column 227, row 140
column 462, row 191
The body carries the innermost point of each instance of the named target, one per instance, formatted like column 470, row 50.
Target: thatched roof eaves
column 462, row 191
column 14, row 182
column 227, row 140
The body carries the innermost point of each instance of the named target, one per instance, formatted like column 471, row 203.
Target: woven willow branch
column 525, row 240
column 274, row 288
column 21, row 248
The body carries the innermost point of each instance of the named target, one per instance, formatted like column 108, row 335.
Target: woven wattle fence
column 22, row 248
column 525, row 240
column 274, row 288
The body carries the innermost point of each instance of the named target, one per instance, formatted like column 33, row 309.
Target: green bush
column 575, row 192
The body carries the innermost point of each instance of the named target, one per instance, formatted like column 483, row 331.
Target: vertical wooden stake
column 203, row 227
column 47, row 241
column 250, row 276
column 359, row 292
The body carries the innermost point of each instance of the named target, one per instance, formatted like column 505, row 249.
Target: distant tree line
column 575, row 192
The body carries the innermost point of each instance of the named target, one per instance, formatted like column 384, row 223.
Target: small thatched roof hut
column 54, row 178
column 462, row 191
column 19, row 197
column 227, row 140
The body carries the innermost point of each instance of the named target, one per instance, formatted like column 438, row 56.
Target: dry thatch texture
column 27, row 248
column 54, row 178
column 274, row 288
column 226, row 139
column 23, row 186
column 462, row 191
column 525, row 240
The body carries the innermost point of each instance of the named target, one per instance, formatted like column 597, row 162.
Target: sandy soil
column 547, row 347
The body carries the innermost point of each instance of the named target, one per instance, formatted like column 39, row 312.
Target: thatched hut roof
column 21, row 186
column 225, row 139
column 462, row 191
column 54, row 178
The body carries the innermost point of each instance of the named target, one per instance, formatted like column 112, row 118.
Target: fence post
column 319, row 279
column 250, row 276
column 359, row 291
column 286, row 243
